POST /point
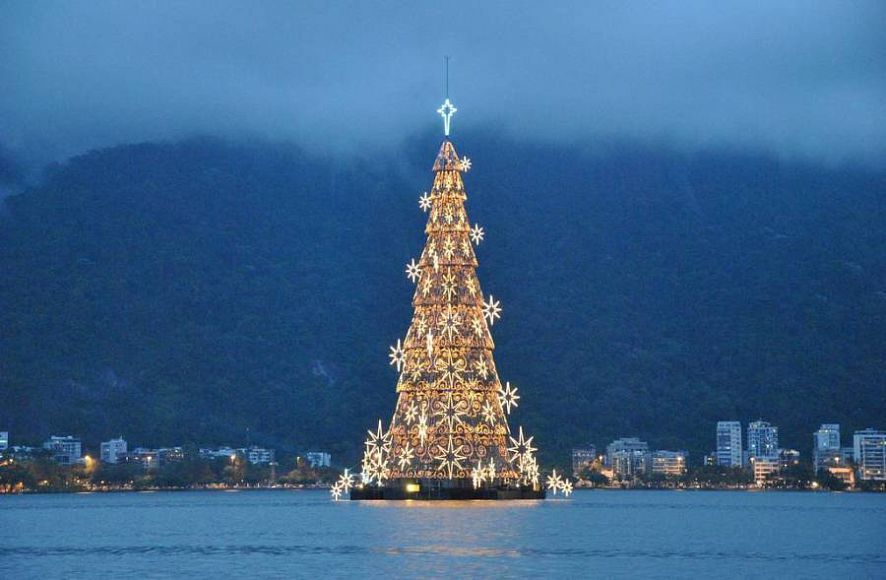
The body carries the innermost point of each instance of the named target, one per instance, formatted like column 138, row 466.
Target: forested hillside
column 191, row 291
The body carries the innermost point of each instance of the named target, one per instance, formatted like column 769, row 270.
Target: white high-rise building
column 318, row 458
column 66, row 450
column 762, row 440
column 114, row 450
column 4, row 440
column 729, row 443
column 826, row 446
column 870, row 454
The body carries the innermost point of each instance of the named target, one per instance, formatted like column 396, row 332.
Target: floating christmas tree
column 449, row 436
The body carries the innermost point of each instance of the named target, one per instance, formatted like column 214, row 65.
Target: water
column 286, row 534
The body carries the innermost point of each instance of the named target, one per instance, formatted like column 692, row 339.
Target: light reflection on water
column 286, row 534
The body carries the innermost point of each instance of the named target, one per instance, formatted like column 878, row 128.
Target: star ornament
column 424, row 202
column 450, row 458
column 488, row 412
column 397, row 355
column 554, row 482
column 521, row 447
column 407, row 453
column 465, row 164
column 566, row 487
column 446, row 110
column 477, row 234
column 492, row 310
column 378, row 441
column 346, row 481
column 336, row 491
column 508, row 397
column 413, row 271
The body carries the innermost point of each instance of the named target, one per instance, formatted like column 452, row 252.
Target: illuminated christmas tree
column 449, row 436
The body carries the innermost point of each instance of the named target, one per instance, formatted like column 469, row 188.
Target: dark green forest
column 209, row 291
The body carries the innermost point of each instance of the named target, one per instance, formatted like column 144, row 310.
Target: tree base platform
column 444, row 493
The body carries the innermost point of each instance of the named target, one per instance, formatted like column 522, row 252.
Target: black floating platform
column 444, row 493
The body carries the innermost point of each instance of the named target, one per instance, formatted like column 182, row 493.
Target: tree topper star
column 446, row 110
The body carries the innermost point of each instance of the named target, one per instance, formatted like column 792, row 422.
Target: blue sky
column 795, row 79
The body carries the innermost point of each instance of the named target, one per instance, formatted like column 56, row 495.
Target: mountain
column 211, row 291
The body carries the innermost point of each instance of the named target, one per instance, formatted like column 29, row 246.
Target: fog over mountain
column 792, row 78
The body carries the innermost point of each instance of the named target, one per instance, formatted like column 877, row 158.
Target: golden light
column 413, row 488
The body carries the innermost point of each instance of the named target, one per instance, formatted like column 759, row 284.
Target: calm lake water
column 301, row 533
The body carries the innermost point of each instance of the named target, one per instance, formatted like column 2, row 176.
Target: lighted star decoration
column 566, row 487
column 413, row 271
column 450, row 458
column 477, row 234
column 488, row 412
column 423, row 427
column 336, row 491
column 380, row 467
column 508, row 397
column 451, row 412
column 451, row 369
column 397, row 355
column 448, row 248
column 411, row 413
column 478, row 474
column 446, row 110
column 346, row 481
column 528, row 469
column 380, row 440
column 424, row 202
column 465, row 164
column 450, row 321
column 477, row 325
column 450, row 285
column 521, row 446
column 492, row 310
column 490, row 470
column 482, row 368
column 407, row 453
column 554, row 482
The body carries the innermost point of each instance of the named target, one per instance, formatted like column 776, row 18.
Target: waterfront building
column 762, row 440
column 4, row 440
column 826, row 447
column 113, row 451
column 845, row 474
column 147, row 458
column 870, row 454
column 765, row 469
column 787, row 458
column 583, row 458
column 65, row 450
column 259, row 455
column 729, row 443
column 670, row 463
column 318, row 459
column 628, row 457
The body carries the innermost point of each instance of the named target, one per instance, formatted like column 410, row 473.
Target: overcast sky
column 798, row 79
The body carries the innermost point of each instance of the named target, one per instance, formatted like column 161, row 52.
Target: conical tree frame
column 450, row 423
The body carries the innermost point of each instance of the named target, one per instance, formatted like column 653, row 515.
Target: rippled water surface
column 302, row 533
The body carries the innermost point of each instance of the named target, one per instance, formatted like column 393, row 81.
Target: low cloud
column 796, row 79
